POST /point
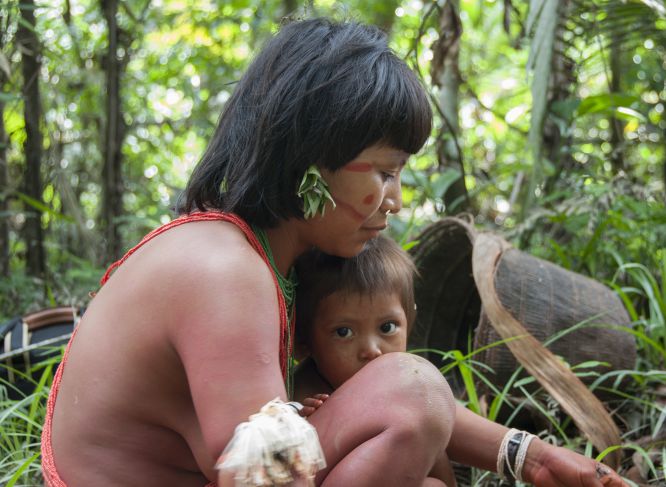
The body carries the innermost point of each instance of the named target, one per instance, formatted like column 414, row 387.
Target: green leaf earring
column 314, row 192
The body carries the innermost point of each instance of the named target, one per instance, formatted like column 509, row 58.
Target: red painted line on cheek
column 350, row 209
column 368, row 199
column 358, row 167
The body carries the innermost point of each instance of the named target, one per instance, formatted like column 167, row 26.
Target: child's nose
column 369, row 351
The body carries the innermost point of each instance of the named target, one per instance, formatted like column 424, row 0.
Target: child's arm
column 476, row 441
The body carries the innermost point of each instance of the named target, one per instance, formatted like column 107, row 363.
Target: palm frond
column 623, row 24
column 542, row 22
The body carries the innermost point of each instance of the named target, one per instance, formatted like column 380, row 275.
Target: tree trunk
column 445, row 74
column 112, row 183
column 616, row 125
column 4, row 193
column 561, row 86
column 32, row 184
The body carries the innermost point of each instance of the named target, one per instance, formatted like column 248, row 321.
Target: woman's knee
column 416, row 393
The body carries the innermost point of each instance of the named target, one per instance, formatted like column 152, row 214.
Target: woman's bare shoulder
column 195, row 268
column 209, row 243
column 202, row 252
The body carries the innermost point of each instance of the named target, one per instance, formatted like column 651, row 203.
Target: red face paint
column 358, row 167
column 350, row 209
column 368, row 199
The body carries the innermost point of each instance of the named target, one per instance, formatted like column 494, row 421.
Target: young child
column 349, row 312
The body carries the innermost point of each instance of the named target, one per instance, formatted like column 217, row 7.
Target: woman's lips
column 377, row 228
column 373, row 231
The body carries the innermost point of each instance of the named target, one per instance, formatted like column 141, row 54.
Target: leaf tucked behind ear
column 314, row 192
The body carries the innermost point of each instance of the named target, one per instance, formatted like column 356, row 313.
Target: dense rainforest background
column 550, row 129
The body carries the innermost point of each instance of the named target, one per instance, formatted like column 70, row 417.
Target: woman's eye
column 389, row 327
column 343, row 332
column 387, row 176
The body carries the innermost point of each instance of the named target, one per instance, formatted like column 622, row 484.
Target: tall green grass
column 21, row 423
column 638, row 395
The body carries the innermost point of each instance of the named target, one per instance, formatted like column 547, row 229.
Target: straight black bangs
column 371, row 98
column 319, row 92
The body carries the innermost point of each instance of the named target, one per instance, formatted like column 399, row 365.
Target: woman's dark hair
column 319, row 92
column 382, row 267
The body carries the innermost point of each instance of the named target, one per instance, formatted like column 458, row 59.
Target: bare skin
column 545, row 466
column 152, row 392
column 475, row 441
column 360, row 442
column 153, row 388
column 350, row 331
column 201, row 341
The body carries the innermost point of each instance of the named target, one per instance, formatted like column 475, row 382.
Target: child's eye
column 343, row 332
column 389, row 327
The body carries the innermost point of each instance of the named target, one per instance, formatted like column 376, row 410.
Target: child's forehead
column 353, row 295
column 349, row 301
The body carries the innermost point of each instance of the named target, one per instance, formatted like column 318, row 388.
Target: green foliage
column 314, row 192
column 542, row 24
column 644, row 295
column 588, row 223
column 21, row 425
column 588, row 196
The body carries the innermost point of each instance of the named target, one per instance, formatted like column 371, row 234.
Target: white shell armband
column 271, row 447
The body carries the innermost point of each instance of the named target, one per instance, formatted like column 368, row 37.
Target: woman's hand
column 311, row 404
column 559, row 467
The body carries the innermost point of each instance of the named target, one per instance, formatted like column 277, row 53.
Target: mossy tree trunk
column 445, row 75
column 112, row 180
column 4, row 192
column 32, row 182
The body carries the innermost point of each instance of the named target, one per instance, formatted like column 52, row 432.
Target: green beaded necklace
column 288, row 288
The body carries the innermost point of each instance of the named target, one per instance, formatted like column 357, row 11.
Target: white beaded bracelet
column 501, row 454
column 512, row 454
column 522, row 455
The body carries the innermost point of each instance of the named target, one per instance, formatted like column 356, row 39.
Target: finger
column 312, row 402
column 321, row 397
column 607, row 476
column 307, row 411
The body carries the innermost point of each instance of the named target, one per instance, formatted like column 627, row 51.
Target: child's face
column 349, row 330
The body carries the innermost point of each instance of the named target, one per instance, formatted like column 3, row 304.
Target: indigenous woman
column 191, row 333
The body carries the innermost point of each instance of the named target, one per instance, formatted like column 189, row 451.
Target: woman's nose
column 392, row 197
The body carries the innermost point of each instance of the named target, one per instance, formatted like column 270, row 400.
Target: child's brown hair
column 382, row 267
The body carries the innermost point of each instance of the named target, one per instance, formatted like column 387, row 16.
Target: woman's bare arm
column 228, row 342
column 476, row 441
